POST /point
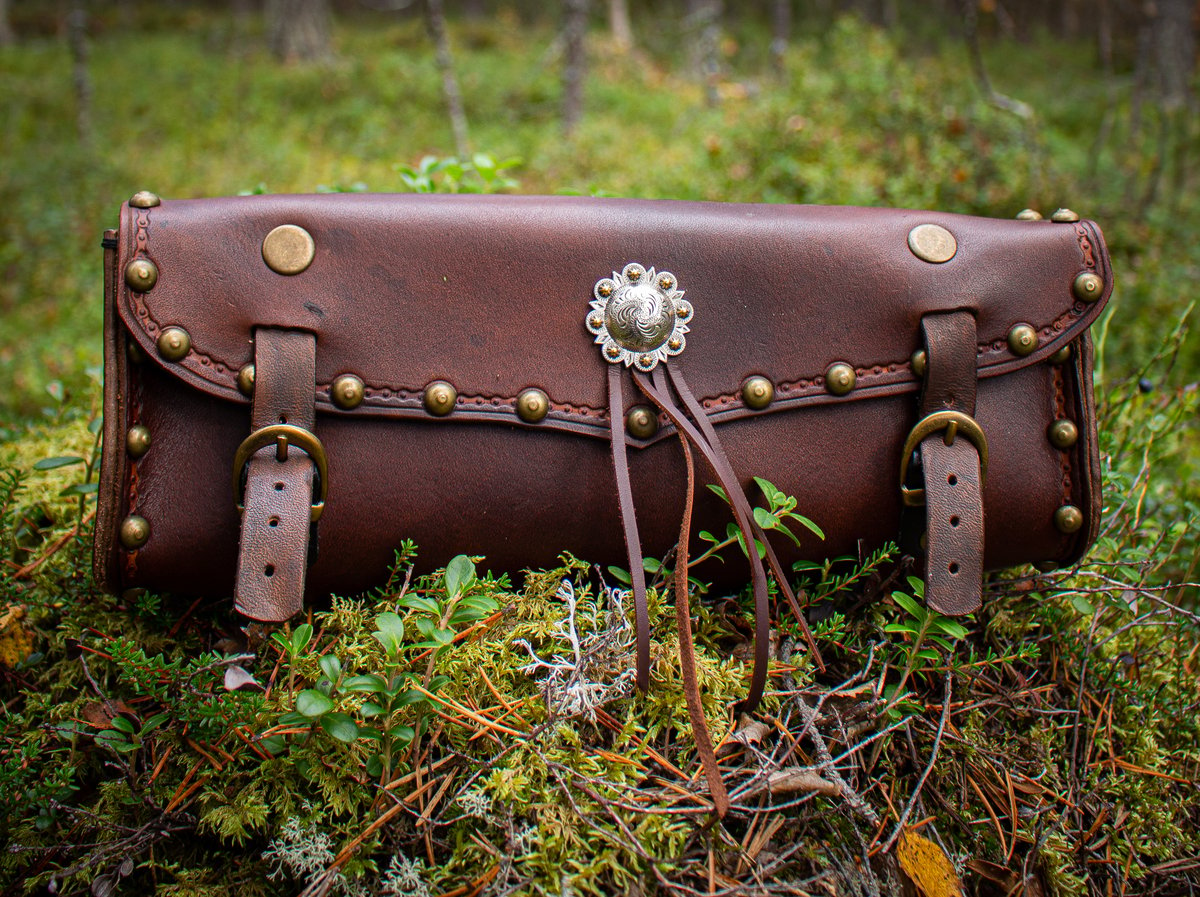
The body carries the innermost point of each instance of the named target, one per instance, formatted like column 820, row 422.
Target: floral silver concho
column 639, row 317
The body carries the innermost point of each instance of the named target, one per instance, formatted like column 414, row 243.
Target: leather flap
column 491, row 294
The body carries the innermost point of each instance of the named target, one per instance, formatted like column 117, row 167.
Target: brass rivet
column 134, row 351
column 347, row 392
column 245, row 380
column 1029, row 215
column 840, row 378
column 758, row 392
column 532, row 405
column 1022, row 339
column 1064, row 216
column 1068, row 519
column 919, row 362
column 137, row 441
column 932, row 243
column 288, row 249
column 1088, row 286
column 1061, row 355
column 174, row 344
column 1063, row 434
column 440, row 397
column 141, row 275
column 641, row 421
column 135, row 531
column 144, row 199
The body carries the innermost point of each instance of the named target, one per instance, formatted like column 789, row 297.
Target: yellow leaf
column 16, row 642
column 927, row 867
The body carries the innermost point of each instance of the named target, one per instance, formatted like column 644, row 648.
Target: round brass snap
column 1063, row 434
column 141, row 275
column 1068, row 519
column 173, row 344
column 1064, row 216
column 1029, row 215
column 932, row 243
column 288, row 249
column 1022, row 340
column 919, row 362
column 641, row 421
column 245, row 380
column 1088, row 286
column 135, row 531
column 144, row 199
column 840, row 379
column 137, row 441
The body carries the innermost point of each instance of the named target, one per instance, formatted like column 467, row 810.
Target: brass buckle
column 955, row 423
column 282, row 436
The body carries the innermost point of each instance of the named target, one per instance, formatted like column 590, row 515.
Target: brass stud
column 137, row 441
column 440, row 397
column 840, row 378
column 641, row 421
column 135, row 531
column 1088, row 286
column 288, row 249
column 1029, row 215
column 134, row 351
column 347, row 391
column 1061, row 355
column 141, row 275
column 758, row 392
column 1068, row 519
column 932, row 243
column 919, row 362
column 532, row 405
column 245, row 380
column 1063, row 434
column 1022, row 339
column 174, row 344
column 144, row 199
column 1064, row 216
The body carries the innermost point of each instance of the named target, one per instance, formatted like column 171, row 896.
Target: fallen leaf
column 793, row 778
column 927, row 867
column 237, row 679
column 16, row 640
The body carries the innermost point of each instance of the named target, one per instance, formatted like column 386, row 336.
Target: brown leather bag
column 516, row 377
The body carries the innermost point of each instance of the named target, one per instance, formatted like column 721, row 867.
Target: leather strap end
column 954, row 520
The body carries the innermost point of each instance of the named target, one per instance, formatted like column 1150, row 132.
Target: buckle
column 283, row 437
column 955, row 424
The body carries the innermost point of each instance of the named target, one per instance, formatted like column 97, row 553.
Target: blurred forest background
column 1068, row 760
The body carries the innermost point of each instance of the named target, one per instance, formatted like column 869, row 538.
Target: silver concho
column 639, row 317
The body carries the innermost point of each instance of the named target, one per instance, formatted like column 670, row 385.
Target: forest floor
column 1048, row 744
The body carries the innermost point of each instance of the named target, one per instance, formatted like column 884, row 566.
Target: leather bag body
column 490, row 297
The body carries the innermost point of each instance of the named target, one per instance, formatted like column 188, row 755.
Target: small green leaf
column 81, row 489
column 422, row 604
column 331, row 666
column 390, row 623
column 370, row 709
column 952, row 628
column 719, row 491
column 388, row 640
column 369, row 683
column 765, row 518
column 906, row 628
column 907, row 602
column 443, row 636
column 917, row 585
column 402, row 735
column 340, row 726
column 124, row 725
column 706, row 536
column 412, row 696
column 437, row 683
column 301, row 636
column 292, row 719
column 311, row 703
column 464, row 616
column 154, row 722
column 1082, row 605
column 620, row 574
column 273, row 744
column 460, row 574
column 651, row 565
column 808, row 524
column 55, row 463
column 375, row 766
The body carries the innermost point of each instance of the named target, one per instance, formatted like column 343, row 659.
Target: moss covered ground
column 449, row 734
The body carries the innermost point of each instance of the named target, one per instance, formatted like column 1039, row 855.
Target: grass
column 1057, row 739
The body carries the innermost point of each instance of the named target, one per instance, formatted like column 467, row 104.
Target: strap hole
column 953, row 568
column 274, row 521
column 279, row 487
column 954, row 521
column 283, row 418
column 952, row 479
column 269, row 570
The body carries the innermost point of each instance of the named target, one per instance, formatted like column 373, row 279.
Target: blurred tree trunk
column 781, row 32
column 7, row 38
column 703, row 31
column 436, row 21
column 618, row 23
column 77, row 39
column 574, row 63
column 298, row 30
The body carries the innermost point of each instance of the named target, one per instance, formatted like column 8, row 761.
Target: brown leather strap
column 633, row 544
column 273, row 555
column 655, row 389
column 952, row 475
column 687, row 651
column 781, row 578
